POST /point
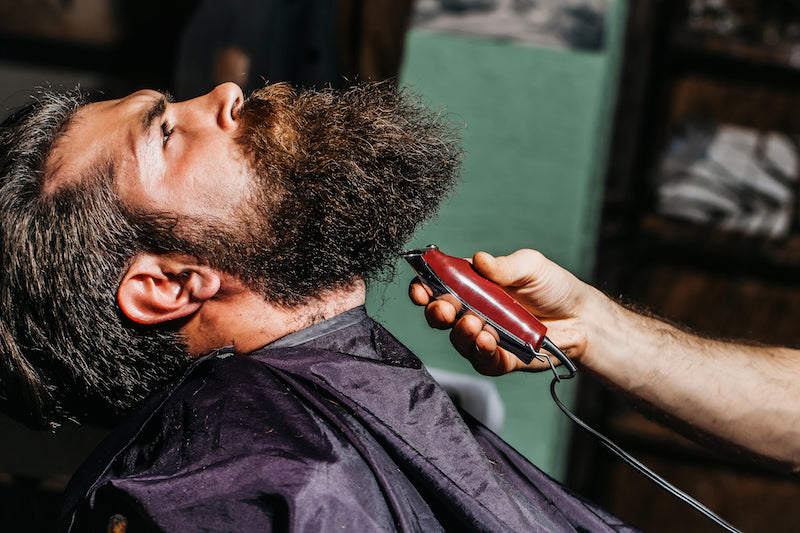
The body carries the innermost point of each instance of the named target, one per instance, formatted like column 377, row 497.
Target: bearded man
column 197, row 270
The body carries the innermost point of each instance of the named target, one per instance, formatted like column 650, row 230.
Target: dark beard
column 344, row 178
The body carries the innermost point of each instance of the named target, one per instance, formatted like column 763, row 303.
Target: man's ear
column 158, row 288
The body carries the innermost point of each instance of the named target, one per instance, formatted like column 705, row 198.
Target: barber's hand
column 548, row 291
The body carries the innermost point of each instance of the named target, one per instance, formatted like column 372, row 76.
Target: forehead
column 97, row 133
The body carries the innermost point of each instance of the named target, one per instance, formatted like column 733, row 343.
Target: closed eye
column 166, row 131
column 154, row 114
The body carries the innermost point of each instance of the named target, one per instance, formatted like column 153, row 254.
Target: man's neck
column 245, row 320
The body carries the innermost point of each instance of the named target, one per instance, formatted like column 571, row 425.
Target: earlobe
column 160, row 288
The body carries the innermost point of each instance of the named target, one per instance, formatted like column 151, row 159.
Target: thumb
column 515, row 270
column 489, row 267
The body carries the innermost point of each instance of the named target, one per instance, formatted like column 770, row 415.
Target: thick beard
column 344, row 178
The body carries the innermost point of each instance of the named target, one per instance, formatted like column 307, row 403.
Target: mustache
column 269, row 124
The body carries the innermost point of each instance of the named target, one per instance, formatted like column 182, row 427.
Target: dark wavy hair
column 345, row 179
column 67, row 351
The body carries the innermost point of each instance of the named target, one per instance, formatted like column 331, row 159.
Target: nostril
column 235, row 108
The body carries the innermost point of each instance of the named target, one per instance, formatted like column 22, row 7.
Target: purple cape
column 314, row 438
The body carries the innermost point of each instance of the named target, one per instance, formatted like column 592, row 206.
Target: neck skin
column 241, row 318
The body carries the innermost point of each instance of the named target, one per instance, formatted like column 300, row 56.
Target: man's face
column 171, row 157
column 294, row 192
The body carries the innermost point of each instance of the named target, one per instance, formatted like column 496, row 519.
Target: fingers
column 442, row 312
column 489, row 359
column 477, row 342
column 420, row 294
column 465, row 333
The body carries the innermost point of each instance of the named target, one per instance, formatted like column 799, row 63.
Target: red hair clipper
column 519, row 331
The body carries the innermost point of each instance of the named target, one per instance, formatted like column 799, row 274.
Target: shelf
column 734, row 59
column 708, row 246
column 779, row 55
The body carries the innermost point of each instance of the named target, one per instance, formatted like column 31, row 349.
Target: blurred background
column 650, row 146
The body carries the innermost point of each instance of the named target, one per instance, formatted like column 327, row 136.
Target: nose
column 226, row 100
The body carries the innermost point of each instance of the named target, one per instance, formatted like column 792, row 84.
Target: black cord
column 622, row 454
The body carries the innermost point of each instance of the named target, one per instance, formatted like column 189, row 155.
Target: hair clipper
column 519, row 331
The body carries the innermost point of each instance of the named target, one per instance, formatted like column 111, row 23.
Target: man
column 742, row 397
column 200, row 267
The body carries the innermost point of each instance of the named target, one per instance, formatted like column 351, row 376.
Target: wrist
column 603, row 322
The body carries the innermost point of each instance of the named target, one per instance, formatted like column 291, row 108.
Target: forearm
column 746, row 395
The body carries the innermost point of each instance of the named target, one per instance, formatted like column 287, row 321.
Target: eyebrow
column 155, row 111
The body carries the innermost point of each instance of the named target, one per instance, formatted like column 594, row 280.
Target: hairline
column 99, row 171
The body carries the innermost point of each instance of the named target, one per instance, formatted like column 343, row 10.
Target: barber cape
column 335, row 428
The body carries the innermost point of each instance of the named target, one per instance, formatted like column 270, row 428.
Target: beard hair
column 342, row 179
